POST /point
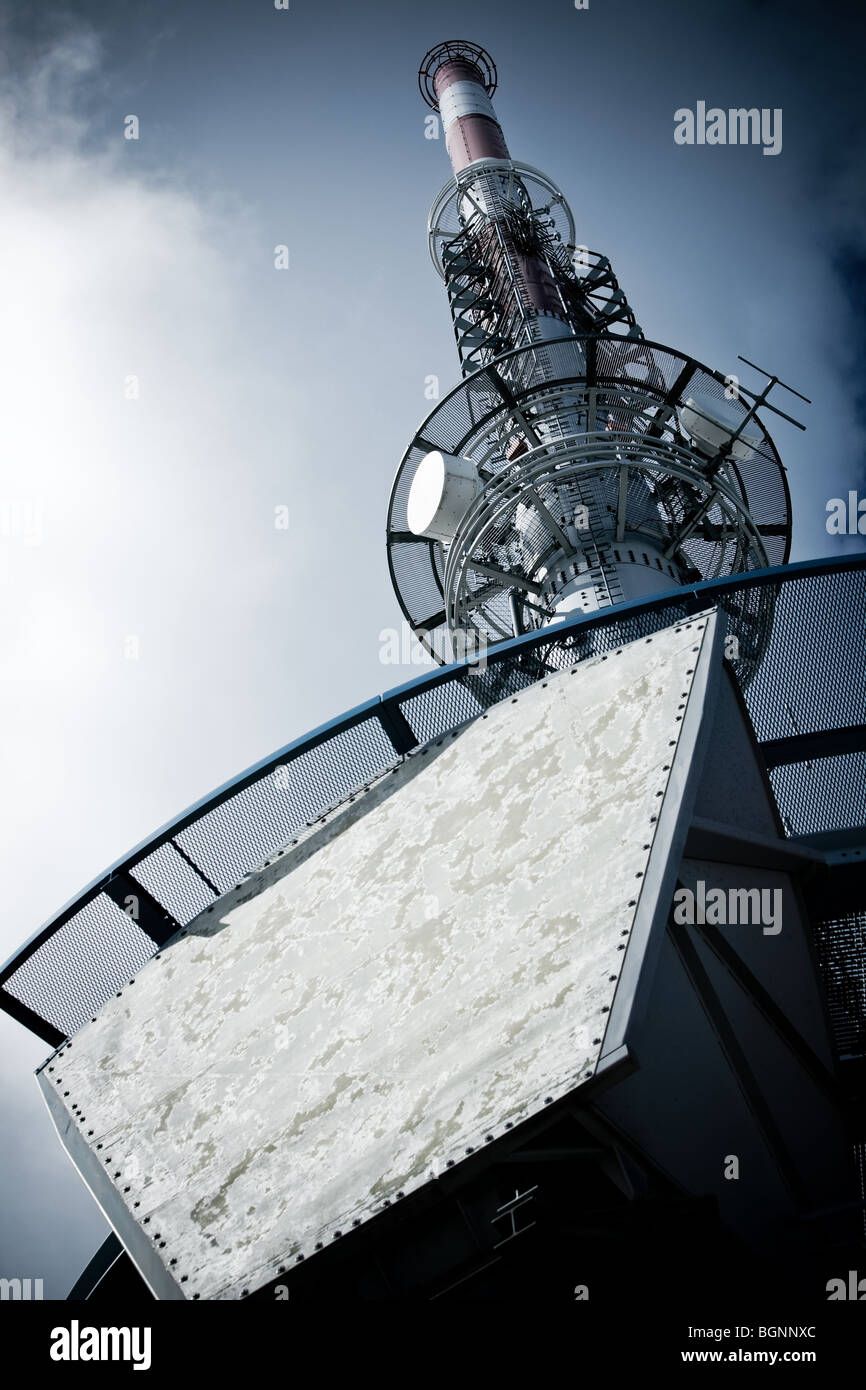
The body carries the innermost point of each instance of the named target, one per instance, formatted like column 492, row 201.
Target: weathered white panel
column 358, row 1017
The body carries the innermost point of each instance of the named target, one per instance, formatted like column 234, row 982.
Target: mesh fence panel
column 812, row 675
column 168, row 878
column 232, row 839
column 822, row 794
column 433, row 712
column 841, row 948
column 85, row 962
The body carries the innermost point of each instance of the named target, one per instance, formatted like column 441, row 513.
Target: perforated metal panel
column 81, row 965
column 360, row 1017
column 841, row 947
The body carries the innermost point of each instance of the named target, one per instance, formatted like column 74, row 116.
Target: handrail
column 397, row 734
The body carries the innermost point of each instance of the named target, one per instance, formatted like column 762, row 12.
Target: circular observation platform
column 623, row 402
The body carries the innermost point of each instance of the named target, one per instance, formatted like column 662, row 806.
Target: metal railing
column 807, row 703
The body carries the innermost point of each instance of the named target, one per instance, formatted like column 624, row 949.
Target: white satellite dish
column 442, row 491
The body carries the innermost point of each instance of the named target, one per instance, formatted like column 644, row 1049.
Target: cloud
column 125, row 405
column 115, row 505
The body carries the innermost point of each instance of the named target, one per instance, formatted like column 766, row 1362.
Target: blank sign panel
column 435, row 963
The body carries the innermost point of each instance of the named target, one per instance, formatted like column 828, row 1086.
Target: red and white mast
column 578, row 466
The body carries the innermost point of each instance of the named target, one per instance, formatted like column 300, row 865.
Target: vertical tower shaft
column 473, row 138
column 578, row 466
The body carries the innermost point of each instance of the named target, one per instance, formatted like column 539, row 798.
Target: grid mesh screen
column 841, row 947
column 168, row 878
column 822, row 794
column 88, row 959
column 798, row 688
column 232, row 839
column 802, row 687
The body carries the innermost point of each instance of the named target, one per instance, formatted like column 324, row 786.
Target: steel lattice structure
column 578, row 465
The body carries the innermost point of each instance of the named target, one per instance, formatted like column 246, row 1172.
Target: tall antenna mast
column 578, row 466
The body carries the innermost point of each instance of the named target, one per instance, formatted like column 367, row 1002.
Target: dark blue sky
column 305, row 127
column 312, row 119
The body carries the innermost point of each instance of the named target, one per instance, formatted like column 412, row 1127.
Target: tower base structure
column 537, row 1011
